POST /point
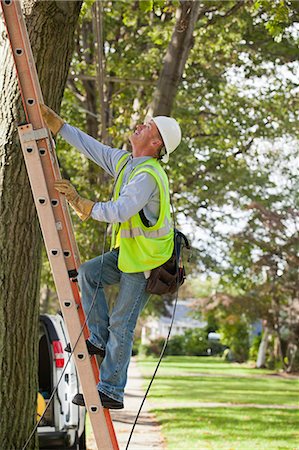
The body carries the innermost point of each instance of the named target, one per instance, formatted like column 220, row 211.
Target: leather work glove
column 82, row 206
column 52, row 120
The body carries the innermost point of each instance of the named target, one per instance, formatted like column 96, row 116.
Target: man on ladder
column 142, row 239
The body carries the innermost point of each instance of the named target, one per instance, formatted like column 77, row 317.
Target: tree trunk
column 51, row 27
column 175, row 59
column 89, row 85
column 97, row 24
column 291, row 355
column 261, row 357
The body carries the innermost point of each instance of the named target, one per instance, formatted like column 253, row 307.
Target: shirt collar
column 138, row 160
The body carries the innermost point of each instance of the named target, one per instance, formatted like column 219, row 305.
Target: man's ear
column 157, row 141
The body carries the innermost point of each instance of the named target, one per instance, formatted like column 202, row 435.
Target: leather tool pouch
column 166, row 279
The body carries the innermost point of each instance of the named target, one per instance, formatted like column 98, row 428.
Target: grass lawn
column 242, row 421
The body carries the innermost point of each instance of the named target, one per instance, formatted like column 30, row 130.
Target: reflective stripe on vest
column 138, row 231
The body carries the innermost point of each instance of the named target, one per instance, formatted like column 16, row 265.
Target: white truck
column 63, row 425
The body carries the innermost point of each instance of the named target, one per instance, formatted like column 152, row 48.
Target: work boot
column 92, row 349
column 107, row 402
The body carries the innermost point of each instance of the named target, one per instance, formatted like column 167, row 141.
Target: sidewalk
column 147, row 434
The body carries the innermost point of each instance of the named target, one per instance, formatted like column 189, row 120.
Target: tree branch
column 228, row 13
column 78, row 94
column 112, row 79
column 98, row 26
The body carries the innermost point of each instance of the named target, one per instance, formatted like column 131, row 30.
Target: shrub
column 216, row 348
column 136, row 347
column 235, row 334
column 254, row 348
column 154, row 347
column 176, row 345
column 193, row 342
column 196, row 342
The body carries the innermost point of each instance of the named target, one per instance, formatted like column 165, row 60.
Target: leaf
column 146, row 5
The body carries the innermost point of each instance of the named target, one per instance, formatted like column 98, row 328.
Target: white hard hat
column 170, row 132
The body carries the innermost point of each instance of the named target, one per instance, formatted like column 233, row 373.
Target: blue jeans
column 112, row 331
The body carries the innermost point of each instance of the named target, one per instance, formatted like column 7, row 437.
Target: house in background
column 156, row 327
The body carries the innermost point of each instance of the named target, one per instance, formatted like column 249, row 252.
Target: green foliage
column 176, row 345
column 278, row 16
column 212, row 322
column 86, row 7
column 146, row 5
column 136, row 347
column 254, row 348
column 154, row 347
column 234, row 332
column 217, row 118
column 193, row 342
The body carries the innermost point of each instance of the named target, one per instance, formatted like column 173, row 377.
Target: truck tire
column 82, row 441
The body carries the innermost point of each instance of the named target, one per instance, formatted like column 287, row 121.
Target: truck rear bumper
column 48, row 439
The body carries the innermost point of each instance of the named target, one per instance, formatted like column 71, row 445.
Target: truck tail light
column 58, row 354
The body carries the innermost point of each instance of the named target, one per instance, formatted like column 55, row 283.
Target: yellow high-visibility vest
column 143, row 248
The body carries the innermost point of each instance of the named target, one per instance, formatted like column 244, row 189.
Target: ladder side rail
column 104, row 434
column 31, row 97
column 33, row 114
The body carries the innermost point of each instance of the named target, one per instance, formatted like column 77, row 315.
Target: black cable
column 168, row 335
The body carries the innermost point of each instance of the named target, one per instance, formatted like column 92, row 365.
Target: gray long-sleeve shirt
column 141, row 192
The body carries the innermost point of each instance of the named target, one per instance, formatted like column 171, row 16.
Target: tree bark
column 100, row 65
column 261, row 357
column 175, row 59
column 51, row 27
column 291, row 355
column 89, row 85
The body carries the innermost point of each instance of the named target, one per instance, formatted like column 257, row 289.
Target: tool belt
column 167, row 279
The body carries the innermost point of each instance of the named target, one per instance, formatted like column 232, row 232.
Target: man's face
column 145, row 134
